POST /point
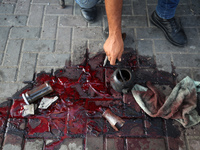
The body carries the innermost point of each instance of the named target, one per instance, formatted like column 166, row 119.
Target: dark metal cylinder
column 122, row 80
column 36, row 93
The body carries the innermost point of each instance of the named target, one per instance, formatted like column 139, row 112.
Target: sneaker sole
column 165, row 33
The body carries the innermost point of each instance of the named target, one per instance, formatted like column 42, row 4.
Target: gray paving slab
column 37, row 35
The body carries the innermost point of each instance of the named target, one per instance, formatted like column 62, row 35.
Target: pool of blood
column 81, row 90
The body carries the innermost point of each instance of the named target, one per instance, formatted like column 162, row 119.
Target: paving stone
column 25, row 32
column 22, row 7
column 183, row 10
column 155, row 127
column 193, row 40
column 4, row 109
column 27, row 67
column 63, row 43
column 163, row 62
column 14, row 134
column 36, row 15
column 95, row 127
column 126, row 2
column 95, row 47
column 131, row 128
column 132, row 109
column 195, row 7
column 72, row 144
column 13, row 46
column 129, row 42
column 180, row 60
column 35, row 125
column 149, row 33
column 127, row 10
column 193, row 131
column 93, row 143
column 139, row 7
column 78, row 50
column 34, row 144
column 88, row 33
column 131, row 21
column 74, row 21
column 114, row 144
column 134, row 21
column 146, row 143
column 9, row 1
column 7, row 74
column 194, row 143
column 45, row 1
column 182, row 73
column 39, row 45
column 166, row 47
column 190, row 21
column 67, row 2
column 175, row 135
column 53, row 59
column 4, row 31
column 7, row 8
column 8, row 89
column 196, row 74
column 145, row 48
column 14, row 20
column 1, row 58
column 56, row 10
column 49, row 27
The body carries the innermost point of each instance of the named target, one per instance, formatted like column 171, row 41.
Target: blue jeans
column 86, row 3
column 166, row 8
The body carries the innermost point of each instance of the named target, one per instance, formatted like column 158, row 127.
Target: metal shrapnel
column 28, row 110
column 37, row 93
column 46, row 102
column 115, row 121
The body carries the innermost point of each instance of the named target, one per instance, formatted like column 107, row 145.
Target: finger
column 120, row 56
column 109, row 58
column 112, row 61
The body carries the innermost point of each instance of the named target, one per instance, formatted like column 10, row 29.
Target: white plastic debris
column 28, row 110
column 46, row 102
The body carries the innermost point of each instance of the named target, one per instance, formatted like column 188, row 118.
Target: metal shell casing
column 115, row 121
column 37, row 93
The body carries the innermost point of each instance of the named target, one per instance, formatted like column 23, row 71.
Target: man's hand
column 114, row 47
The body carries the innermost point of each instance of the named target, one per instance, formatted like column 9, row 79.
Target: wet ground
column 41, row 42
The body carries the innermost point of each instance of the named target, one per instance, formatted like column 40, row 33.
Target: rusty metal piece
column 122, row 80
column 36, row 93
column 115, row 121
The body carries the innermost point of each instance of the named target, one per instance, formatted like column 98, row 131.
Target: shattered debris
column 28, row 110
column 46, row 102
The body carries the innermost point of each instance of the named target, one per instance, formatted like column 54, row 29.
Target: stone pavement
column 37, row 35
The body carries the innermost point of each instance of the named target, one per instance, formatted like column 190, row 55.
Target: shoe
column 89, row 14
column 172, row 29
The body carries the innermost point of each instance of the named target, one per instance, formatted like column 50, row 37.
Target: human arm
column 114, row 45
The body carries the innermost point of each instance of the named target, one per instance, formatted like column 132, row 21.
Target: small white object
column 46, row 102
column 25, row 100
column 28, row 110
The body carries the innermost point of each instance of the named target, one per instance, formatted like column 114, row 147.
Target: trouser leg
column 166, row 8
column 86, row 3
